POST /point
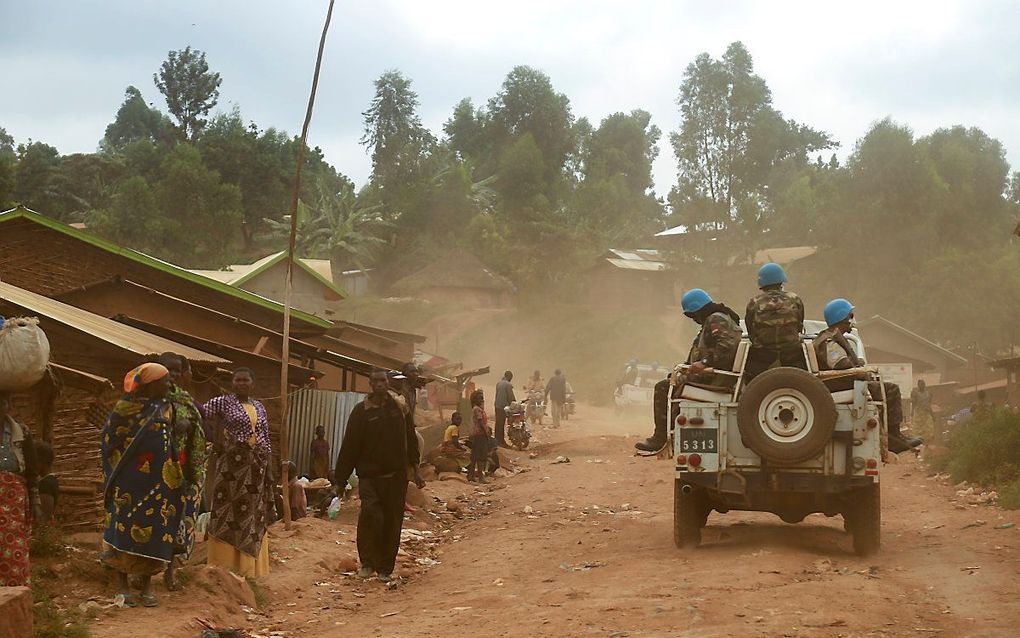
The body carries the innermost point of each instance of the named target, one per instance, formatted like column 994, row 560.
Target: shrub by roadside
column 986, row 451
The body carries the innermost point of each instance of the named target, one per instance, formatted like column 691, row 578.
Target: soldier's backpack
column 776, row 320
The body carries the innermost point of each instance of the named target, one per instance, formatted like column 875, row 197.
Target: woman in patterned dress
column 144, row 495
column 242, row 505
column 19, row 499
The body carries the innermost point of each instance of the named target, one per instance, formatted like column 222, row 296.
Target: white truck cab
column 792, row 442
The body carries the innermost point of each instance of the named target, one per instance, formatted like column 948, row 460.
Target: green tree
column 133, row 218
column 394, row 134
column 465, row 131
column 206, row 213
column 36, row 177
column 135, row 121
column 337, row 227
column 528, row 105
column 729, row 142
column 8, row 168
column 190, row 89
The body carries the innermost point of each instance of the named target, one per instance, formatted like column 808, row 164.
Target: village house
column 458, row 280
column 313, row 289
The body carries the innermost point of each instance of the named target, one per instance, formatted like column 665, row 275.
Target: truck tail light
column 872, row 423
column 694, row 460
column 697, row 421
column 681, row 420
column 871, row 464
column 681, row 459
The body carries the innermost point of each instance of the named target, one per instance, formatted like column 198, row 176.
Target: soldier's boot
column 899, row 443
column 660, row 404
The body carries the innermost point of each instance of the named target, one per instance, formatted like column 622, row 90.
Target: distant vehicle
column 792, row 443
column 638, row 384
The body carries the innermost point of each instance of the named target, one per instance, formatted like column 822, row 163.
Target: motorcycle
column 568, row 406
column 517, row 429
column 536, row 407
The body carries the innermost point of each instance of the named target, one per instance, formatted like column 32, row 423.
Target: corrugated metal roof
column 786, row 255
column 20, row 212
column 669, row 232
column 125, row 337
column 648, row 266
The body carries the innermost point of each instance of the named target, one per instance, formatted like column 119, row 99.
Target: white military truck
column 791, row 442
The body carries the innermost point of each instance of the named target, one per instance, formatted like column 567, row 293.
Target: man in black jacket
column 380, row 443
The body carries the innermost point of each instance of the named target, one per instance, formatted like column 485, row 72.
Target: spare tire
column 786, row 415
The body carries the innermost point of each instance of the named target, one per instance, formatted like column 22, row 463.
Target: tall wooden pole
column 289, row 282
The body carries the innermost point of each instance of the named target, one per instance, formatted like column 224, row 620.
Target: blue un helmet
column 771, row 274
column 694, row 300
column 836, row 311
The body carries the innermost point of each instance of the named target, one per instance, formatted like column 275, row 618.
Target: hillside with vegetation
column 914, row 227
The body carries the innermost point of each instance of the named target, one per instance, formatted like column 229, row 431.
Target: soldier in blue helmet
column 835, row 352
column 714, row 347
column 774, row 320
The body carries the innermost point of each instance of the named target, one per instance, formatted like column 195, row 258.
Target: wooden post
column 288, row 284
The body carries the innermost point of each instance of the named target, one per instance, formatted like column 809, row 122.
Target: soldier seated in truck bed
column 834, row 352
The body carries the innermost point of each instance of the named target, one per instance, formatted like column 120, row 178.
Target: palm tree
column 336, row 228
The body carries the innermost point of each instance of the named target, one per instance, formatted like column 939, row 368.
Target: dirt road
column 593, row 556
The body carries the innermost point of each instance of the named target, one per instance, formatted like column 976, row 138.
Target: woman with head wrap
column 242, row 483
column 144, row 494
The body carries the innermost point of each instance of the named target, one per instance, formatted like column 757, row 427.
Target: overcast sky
column 836, row 66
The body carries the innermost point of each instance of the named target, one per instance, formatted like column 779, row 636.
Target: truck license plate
column 699, row 440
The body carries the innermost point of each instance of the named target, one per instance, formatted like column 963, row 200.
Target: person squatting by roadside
column 774, row 321
column 835, row 352
column 715, row 346
column 381, row 444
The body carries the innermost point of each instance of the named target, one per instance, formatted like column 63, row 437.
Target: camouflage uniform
column 715, row 346
column 775, row 321
column 834, row 352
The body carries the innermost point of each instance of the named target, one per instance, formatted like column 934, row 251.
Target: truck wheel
column 866, row 520
column 690, row 513
column 786, row 415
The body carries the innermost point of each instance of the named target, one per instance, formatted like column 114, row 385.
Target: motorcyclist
column 715, row 346
column 834, row 352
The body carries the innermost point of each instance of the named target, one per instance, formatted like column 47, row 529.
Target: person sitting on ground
column 49, row 487
column 296, row 493
column 774, row 321
column 714, row 347
column 835, row 352
column 319, row 454
column 451, row 447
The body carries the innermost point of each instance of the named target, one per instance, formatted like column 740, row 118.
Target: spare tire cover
column 786, row 415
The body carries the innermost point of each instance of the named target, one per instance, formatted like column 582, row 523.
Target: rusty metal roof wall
column 117, row 334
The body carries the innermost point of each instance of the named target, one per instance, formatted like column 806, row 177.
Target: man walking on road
column 556, row 391
column 922, row 420
column 504, row 397
column 380, row 442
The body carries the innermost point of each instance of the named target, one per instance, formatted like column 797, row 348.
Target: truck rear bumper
column 743, row 483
